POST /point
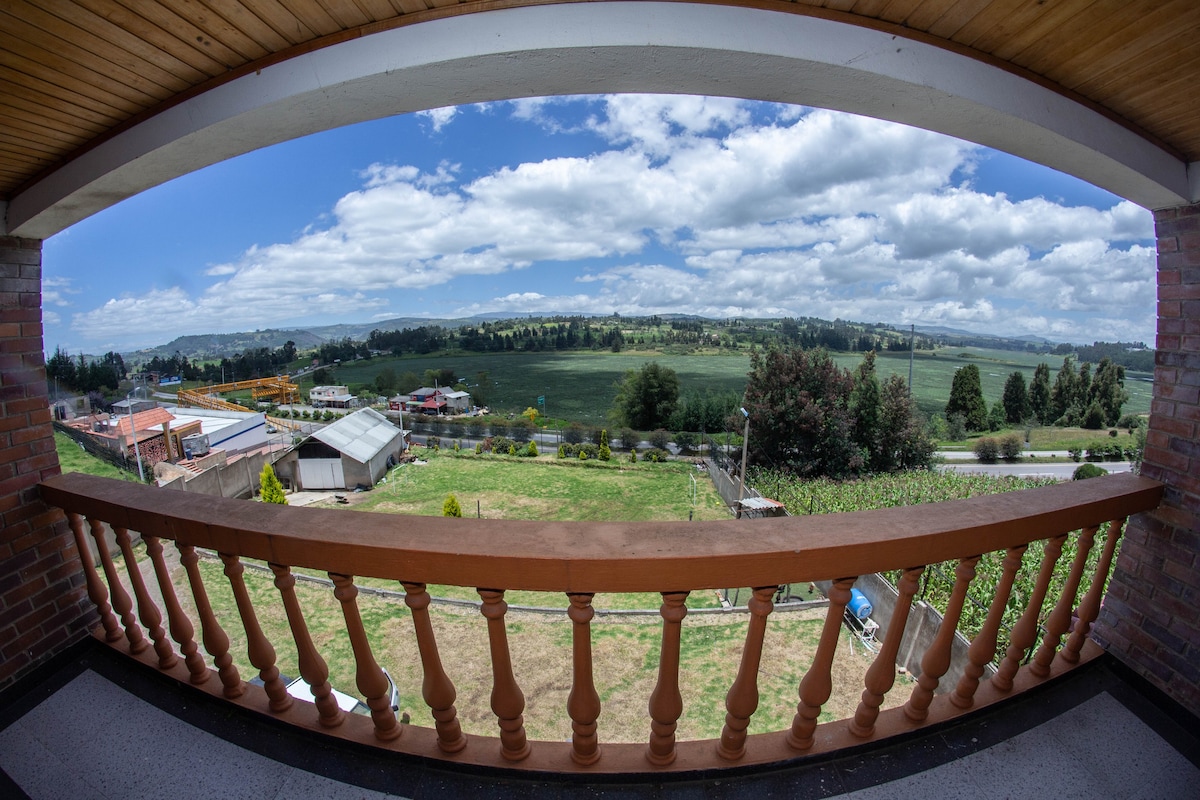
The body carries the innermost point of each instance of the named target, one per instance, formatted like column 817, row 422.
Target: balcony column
column 1148, row 618
column 43, row 592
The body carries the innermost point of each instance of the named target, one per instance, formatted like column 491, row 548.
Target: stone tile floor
column 92, row 726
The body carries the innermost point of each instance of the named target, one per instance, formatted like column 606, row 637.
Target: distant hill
column 219, row 345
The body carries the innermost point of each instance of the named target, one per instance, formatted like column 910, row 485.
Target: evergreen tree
column 1062, row 396
column 271, row 490
column 1108, row 390
column 1039, row 394
column 903, row 438
column 1016, row 399
column 865, row 405
column 451, row 508
column 966, row 398
column 605, row 450
column 646, row 398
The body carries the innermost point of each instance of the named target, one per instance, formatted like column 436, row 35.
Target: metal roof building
column 354, row 451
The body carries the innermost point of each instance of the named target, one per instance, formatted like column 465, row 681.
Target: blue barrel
column 859, row 606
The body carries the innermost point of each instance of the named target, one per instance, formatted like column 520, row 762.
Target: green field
column 581, row 386
column 545, row 488
column 73, row 458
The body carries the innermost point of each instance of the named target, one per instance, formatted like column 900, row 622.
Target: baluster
column 742, row 699
column 313, row 668
column 881, row 676
column 369, row 677
column 121, row 602
column 583, row 703
column 258, row 648
column 983, row 648
column 150, row 616
column 436, row 688
column 97, row 592
column 180, row 626
column 936, row 660
column 1025, row 631
column 1060, row 618
column 818, row 681
column 508, row 702
column 216, row 641
column 666, row 703
column 1089, row 609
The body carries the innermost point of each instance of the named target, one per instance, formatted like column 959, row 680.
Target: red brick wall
column 1150, row 618
column 43, row 601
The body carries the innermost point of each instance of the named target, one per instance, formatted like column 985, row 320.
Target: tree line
column 806, row 415
column 1077, row 397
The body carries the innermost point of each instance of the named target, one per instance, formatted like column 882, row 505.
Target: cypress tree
column 271, row 488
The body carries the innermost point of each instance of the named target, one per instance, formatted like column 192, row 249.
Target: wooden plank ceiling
column 74, row 71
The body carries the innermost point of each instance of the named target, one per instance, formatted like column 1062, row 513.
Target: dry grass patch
column 625, row 655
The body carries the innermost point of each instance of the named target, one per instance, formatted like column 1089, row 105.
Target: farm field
column 581, row 386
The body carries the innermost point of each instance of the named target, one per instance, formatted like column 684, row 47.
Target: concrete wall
column 922, row 626
column 236, row 479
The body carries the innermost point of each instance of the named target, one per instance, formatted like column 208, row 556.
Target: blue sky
column 632, row 204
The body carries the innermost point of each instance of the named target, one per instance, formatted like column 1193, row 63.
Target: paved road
column 1060, row 471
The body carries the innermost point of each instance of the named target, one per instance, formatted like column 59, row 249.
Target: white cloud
column 439, row 118
column 736, row 208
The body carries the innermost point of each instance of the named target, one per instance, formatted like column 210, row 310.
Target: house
column 354, row 451
column 331, row 397
column 457, row 402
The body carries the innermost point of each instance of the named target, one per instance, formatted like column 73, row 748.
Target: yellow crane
column 278, row 390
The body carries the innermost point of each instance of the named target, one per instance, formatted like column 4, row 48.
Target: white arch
column 609, row 47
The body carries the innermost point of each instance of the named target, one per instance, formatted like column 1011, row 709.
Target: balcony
column 143, row 618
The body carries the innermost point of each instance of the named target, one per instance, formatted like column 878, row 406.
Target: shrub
column 1075, row 453
column 956, row 427
column 1093, row 418
column 573, row 433
column 987, row 449
column 629, row 438
column 521, row 430
column 633, row 455
column 451, row 507
column 1088, row 471
column 479, row 448
column 532, row 450
column 1010, row 447
column 272, row 489
column 1130, row 421
column 562, row 451
column 605, row 453
column 656, row 455
column 501, row 445
column 686, row 442
column 433, row 441
column 589, row 449
column 659, row 439
column 582, row 455
column 1113, row 432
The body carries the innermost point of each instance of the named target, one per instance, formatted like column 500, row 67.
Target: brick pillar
column 1149, row 619
column 43, row 600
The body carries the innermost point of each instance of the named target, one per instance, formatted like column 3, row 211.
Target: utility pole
column 912, row 342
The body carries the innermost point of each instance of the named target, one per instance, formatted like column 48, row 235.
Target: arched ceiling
column 102, row 98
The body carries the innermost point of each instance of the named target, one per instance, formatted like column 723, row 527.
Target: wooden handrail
column 605, row 556
column 580, row 559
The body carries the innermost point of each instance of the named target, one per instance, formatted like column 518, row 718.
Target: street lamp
column 745, row 441
column 133, row 434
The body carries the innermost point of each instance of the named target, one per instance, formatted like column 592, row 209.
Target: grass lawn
column 73, row 458
column 546, row 488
